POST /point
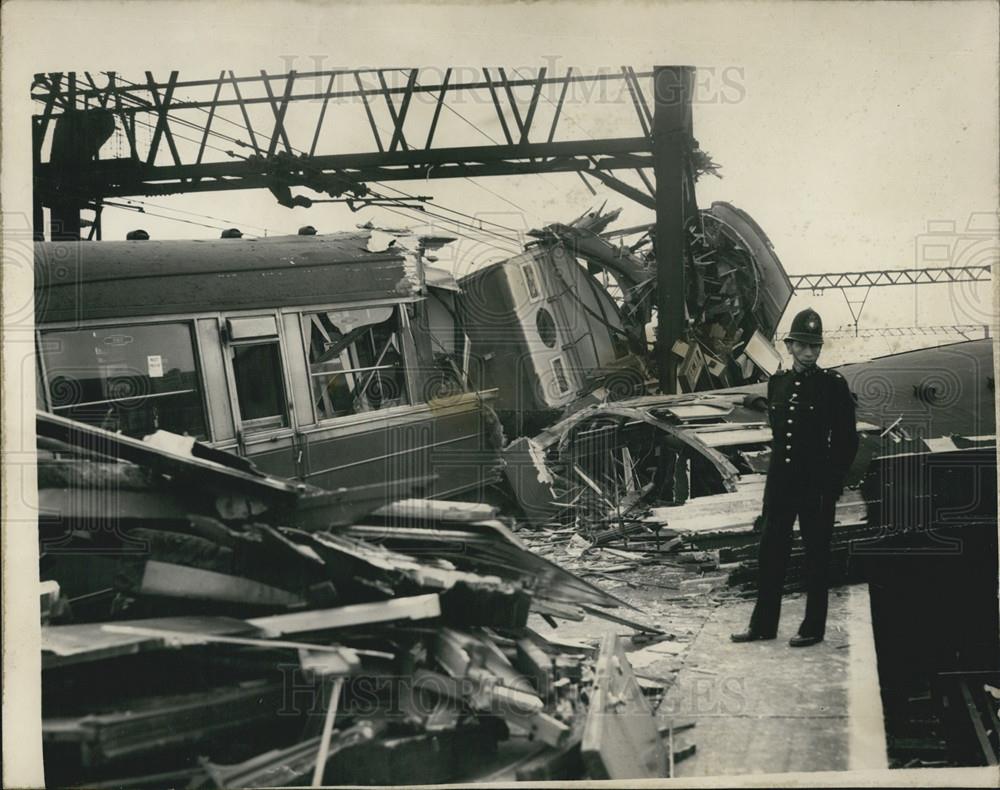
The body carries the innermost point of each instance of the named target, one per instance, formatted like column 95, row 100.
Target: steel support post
column 672, row 135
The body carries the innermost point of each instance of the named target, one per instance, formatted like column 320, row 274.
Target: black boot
column 751, row 636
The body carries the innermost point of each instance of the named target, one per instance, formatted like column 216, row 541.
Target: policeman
column 811, row 411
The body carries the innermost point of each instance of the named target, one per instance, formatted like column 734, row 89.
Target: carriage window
column 355, row 361
column 257, row 372
column 259, row 389
column 130, row 379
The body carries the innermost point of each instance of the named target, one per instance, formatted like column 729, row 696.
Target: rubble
column 226, row 628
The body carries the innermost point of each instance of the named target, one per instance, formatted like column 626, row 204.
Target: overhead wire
column 495, row 142
column 230, row 222
column 513, row 247
column 142, row 105
column 163, row 216
column 139, row 104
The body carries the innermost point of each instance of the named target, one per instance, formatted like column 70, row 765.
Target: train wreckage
column 263, row 461
column 398, row 370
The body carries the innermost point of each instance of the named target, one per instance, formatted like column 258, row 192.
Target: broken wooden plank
column 620, row 737
column 84, row 642
column 614, row 618
column 489, row 547
column 416, row 607
column 410, row 510
column 289, row 766
column 170, row 580
column 552, row 609
column 333, row 659
column 537, row 665
column 179, row 459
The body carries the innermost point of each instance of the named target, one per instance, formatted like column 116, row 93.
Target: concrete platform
column 765, row 707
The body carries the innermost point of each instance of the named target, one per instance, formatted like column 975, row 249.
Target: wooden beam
column 417, row 607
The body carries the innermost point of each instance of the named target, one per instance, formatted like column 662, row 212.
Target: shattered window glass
column 355, row 361
column 129, row 379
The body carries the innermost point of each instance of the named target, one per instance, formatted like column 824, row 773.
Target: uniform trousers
column 815, row 512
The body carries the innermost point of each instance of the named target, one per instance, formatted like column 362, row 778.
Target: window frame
column 398, row 313
column 563, row 375
column 190, row 322
column 228, row 346
column 534, row 278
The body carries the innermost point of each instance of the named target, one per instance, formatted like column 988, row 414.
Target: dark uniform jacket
column 814, row 432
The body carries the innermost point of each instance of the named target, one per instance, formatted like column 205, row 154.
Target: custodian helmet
column 807, row 327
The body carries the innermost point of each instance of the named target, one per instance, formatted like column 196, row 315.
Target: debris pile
column 737, row 289
column 206, row 625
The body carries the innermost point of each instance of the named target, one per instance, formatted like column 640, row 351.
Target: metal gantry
column 173, row 136
column 967, row 331
column 856, row 286
column 944, row 274
column 178, row 138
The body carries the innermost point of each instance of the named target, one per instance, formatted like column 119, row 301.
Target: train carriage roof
column 79, row 280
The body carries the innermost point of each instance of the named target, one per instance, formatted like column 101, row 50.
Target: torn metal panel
column 631, row 270
column 725, row 469
column 592, row 450
column 743, row 236
column 738, row 290
column 529, row 478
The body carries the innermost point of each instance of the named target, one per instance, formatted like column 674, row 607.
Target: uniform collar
column 807, row 373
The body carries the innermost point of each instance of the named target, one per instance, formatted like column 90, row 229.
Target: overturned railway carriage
column 704, row 456
column 569, row 320
column 544, row 332
column 309, row 355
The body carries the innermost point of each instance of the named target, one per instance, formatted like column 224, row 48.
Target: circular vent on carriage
column 546, row 327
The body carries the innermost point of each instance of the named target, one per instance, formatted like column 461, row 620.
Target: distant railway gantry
column 874, row 278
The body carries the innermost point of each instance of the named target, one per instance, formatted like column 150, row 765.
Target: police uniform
column 814, row 440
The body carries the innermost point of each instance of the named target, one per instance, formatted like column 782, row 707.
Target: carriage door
column 259, row 393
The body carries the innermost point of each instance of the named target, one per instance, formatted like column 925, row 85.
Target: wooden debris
column 620, row 738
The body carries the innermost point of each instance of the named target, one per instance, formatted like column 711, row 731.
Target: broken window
column 355, row 361
column 129, row 379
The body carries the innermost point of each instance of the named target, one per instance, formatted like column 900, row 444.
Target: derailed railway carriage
column 310, row 355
